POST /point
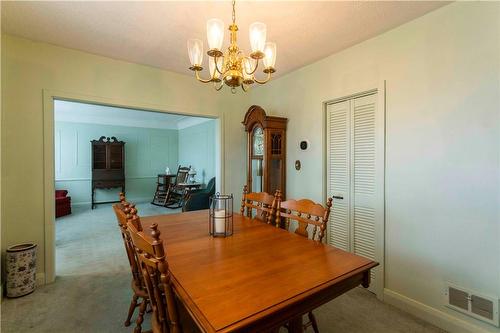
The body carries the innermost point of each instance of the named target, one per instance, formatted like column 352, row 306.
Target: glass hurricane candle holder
column 220, row 219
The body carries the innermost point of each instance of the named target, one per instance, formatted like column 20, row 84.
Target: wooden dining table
column 259, row 278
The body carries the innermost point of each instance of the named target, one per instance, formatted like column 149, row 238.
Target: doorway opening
column 144, row 145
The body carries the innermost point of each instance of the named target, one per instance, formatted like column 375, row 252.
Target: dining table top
column 229, row 283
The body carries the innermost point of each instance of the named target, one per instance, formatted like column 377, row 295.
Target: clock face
column 258, row 141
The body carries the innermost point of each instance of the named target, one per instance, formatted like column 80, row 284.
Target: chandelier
column 233, row 68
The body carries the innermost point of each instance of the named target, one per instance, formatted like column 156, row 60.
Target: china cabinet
column 108, row 165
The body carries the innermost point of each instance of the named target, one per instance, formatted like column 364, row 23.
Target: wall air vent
column 474, row 304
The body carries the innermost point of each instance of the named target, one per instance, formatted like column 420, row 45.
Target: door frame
column 380, row 89
column 49, row 96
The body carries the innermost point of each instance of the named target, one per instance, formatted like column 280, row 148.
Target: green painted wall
column 147, row 152
column 197, row 148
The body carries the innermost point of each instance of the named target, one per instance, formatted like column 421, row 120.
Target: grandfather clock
column 266, row 151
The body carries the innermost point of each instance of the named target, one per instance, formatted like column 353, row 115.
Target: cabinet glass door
column 115, row 157
column 99, row 157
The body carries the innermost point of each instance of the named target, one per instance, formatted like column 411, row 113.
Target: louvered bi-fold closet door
column 355, row 179
column 338, row 160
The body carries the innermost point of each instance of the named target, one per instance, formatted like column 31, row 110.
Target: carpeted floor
column 92, row 289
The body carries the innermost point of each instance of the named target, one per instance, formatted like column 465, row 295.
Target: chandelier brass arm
column 220, row 85
column 213, row 77
column 255, row 69
column 217, row 65
column 245, row 87
column 197, row 73
column 269, row 74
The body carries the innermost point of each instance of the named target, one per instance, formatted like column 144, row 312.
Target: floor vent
column 479, row 306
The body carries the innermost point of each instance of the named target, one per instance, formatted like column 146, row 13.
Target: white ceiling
column 155, row 33
column 106, row 115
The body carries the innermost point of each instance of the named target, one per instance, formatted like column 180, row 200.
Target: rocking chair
column 175, row 194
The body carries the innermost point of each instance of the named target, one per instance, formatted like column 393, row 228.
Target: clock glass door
column 257, row 159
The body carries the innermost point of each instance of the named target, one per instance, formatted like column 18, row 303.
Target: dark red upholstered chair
column 63, row 203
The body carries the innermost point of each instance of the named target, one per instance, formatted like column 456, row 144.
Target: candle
column 220, row 221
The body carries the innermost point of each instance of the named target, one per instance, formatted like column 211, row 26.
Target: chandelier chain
column 234, row 13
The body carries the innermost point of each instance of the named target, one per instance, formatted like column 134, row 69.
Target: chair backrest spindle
column 133, row 217
column 306, row 213
column 182, row 175
column 263, row 203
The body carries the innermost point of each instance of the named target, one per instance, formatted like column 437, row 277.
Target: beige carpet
column 92, row 290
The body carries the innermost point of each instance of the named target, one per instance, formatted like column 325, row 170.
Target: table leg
column 366, row 279
column 295, row 325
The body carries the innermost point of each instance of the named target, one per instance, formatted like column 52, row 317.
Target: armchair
column 63, row 203
column 199, row 199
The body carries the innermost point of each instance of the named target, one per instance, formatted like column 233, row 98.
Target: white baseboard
column 432, row 315
column 78, row 204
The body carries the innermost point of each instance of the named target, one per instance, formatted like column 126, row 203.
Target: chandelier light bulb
column 195, row 51
column 215, row 34
column 270, row 55
column 258, row 33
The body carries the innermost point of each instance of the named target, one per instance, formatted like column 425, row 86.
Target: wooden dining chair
column 310, row 221
column 263, row 203
column 122, row 211
column 168, row 315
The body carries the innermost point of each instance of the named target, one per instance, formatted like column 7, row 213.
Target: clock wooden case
column 266, row 151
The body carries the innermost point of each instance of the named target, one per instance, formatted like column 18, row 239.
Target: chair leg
column 131, row 309
column 313, row 321
column 140, row 317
